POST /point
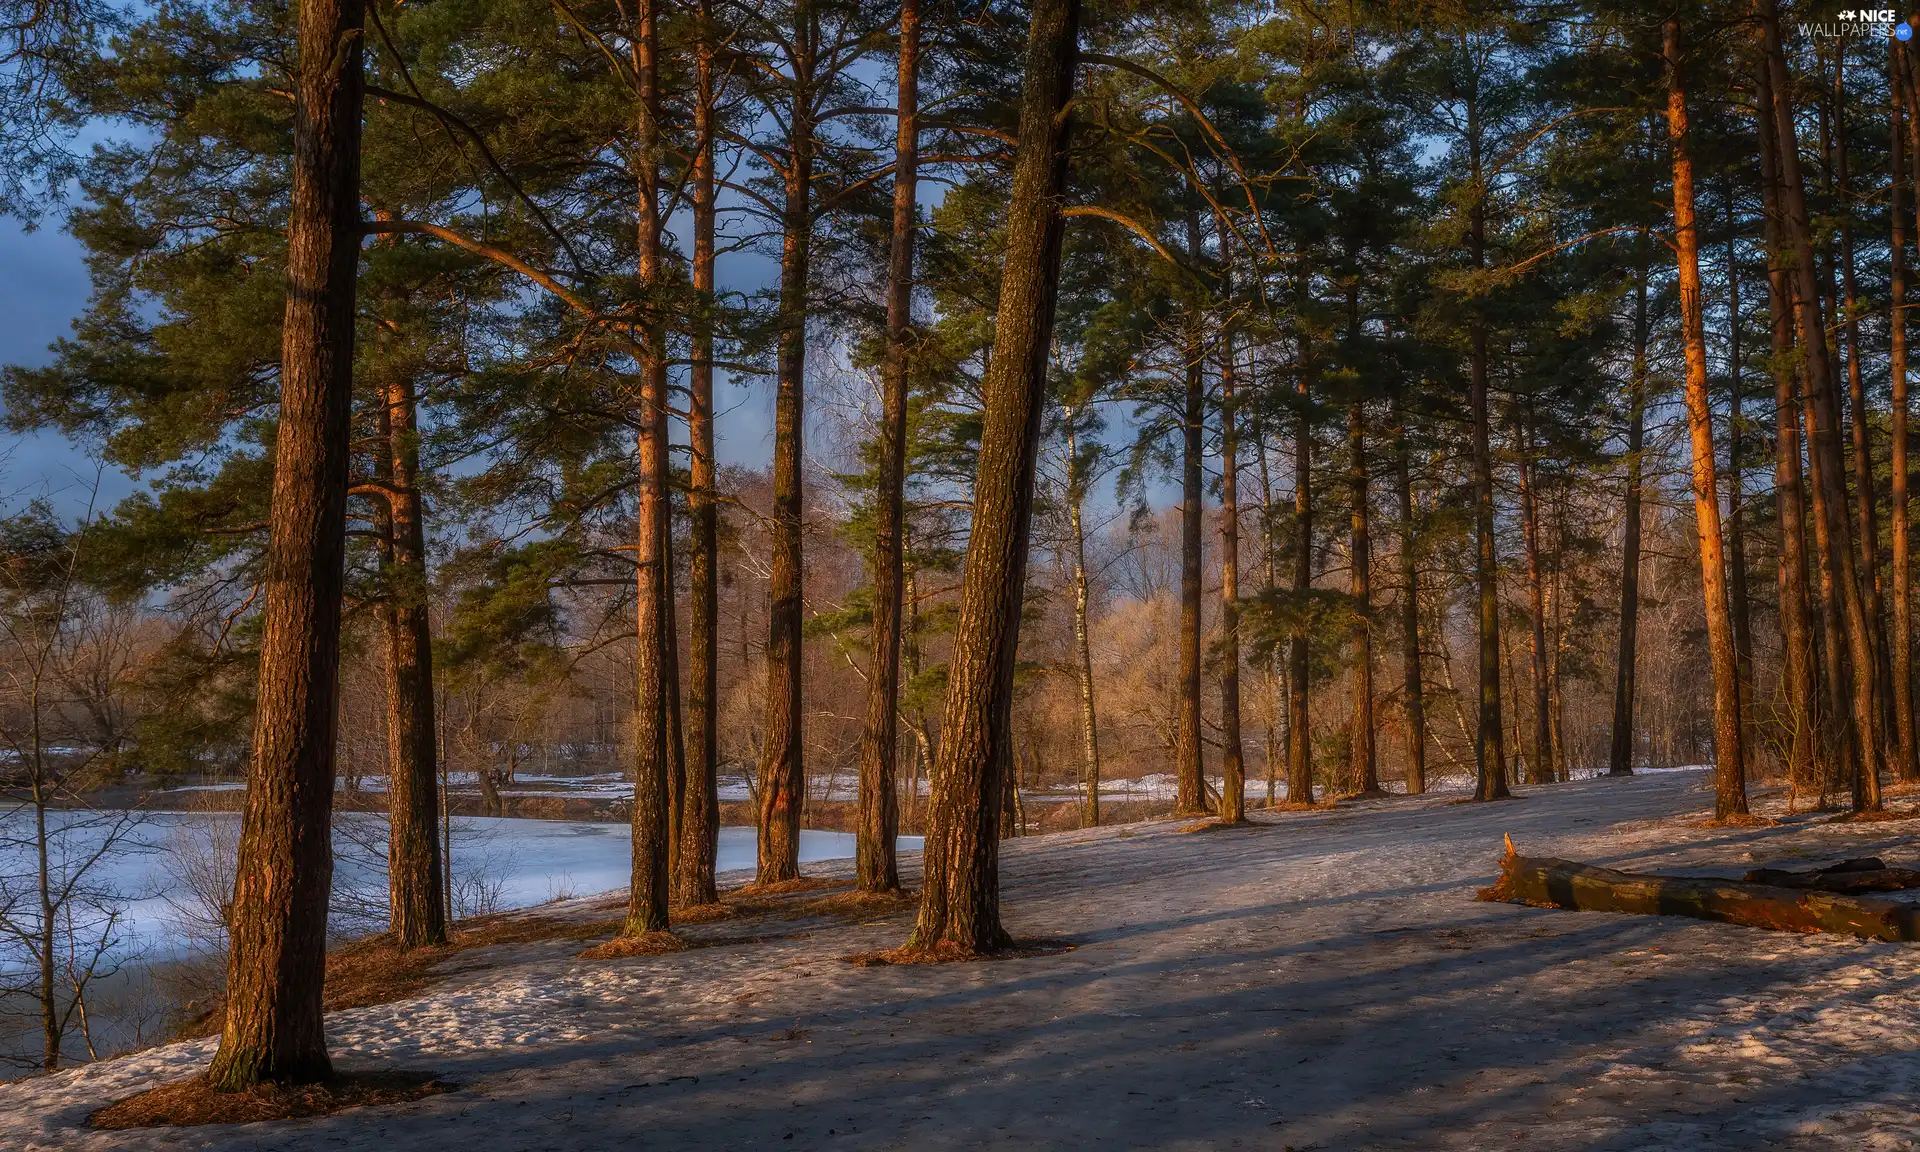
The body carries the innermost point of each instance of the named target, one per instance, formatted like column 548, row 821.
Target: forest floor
column 1320, row 980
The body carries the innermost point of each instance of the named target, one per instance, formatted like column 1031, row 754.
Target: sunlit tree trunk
column 1364, row 763
column 1300, row 652
column 1730, row 784
column 783, row 778
column 1540, row 763
column 653, row 822
column 1190, row 794
column 1082, row 638
column 960, row 900
column 1824, row 434
column 699, row 835
column 272, row 1028
column 875, row 867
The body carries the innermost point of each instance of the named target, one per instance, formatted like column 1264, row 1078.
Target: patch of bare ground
column 948, row 954
column 783, row 888
column 190, row 1102
column 644, row 944
column 860, row 904
column 377, row 971
column 703, row 913
column 1300, row 806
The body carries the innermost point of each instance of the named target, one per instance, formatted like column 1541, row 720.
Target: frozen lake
column 156, row 877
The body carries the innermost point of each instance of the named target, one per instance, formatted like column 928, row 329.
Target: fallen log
column 1867, row 875
column 1549, row 883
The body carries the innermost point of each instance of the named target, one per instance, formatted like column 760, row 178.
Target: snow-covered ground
column 1323, row 980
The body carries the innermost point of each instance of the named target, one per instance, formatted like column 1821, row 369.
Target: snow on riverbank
column 1324, row 979
column 511, row 863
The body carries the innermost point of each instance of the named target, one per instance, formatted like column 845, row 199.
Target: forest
column 951, row 419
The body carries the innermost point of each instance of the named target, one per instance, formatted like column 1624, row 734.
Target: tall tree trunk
column 1270, row 580
column 1620, row 755
column 1414, row 698
column 417, row 905
column 1489, row 746
column 1824, row 434
column 1082, row 637
column 1190, row 794
column 1540, row 764
column 1797, row 674
column 647, row 898
column 876, row 868
column 1905, row 123
column 1300, row 653
column 1736, row 531
column 1730, row 782
column 1364, row 763
column 277, row 957
column 1866, row 528
column 783, row 777
column 699, row 843
column 960, row 900
column 1233, row 767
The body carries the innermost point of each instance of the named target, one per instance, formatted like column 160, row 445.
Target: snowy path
column 1322, row 981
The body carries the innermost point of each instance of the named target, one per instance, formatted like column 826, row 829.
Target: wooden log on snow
column 1549, row 883
column 1867, row 875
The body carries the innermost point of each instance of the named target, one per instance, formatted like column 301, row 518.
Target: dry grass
column 703, row 913
column 1875, row 816
column 782, row 888
column 860, row 904
column 1741, row 820
column 645, row 944
column 188, row 1102
column 950, row 954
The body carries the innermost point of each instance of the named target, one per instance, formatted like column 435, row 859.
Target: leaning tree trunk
column 1730, row 783
column 648, row 897
column 277, row 957
column 417, row 903
column 783, row 777
column 1795, row 609
column 1364, row 764
column 1413, row 702
column 699, row 844
column 875, row 866
column 1824, row 434
column 960, row 899
column 1620, row 756
column 1233, row 768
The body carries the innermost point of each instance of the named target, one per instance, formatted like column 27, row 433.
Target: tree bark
column 1797, row 672
column 417, row 904
column 960, row 899
column 1551, row 883
column 1300, row 651
column 1489, row 746
column 1233, row 767
column 1082, row 639
column 1540, row 764
column 648, row 896
column 783, row 778
column 1730, row 782
column 1414, row 691
column 1906, row 150
column 1620, row 755
column 276, row 961
column 1736, row 530
column 875, row 866
column 699, row 840
column 1190, row 794
column 1824, row 433
column 1364, row 764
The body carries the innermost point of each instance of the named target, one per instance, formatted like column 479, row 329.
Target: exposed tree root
column 188, row 1102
